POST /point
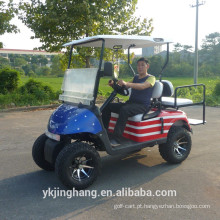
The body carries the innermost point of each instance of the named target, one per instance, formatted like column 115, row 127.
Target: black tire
column 78, row 165
column 38, row 153
column 177, row 147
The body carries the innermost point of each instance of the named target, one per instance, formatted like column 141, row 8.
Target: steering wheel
column 122, row 90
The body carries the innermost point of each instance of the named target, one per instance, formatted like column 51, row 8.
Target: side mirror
column 108, row 69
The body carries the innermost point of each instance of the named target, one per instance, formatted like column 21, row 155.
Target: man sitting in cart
column 138, row 103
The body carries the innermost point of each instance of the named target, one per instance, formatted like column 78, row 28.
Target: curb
column 30, row 108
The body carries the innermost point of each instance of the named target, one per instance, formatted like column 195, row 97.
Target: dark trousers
column 125, row 110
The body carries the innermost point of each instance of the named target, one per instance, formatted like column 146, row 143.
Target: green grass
column 105, row 90
column 177, row 81
column 54, row 82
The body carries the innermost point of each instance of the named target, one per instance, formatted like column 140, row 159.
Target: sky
column 172, row 19
column 176, row 19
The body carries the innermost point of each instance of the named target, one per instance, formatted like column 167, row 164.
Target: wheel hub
column 80, row 168
column 178, row 148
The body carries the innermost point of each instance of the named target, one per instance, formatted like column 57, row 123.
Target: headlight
column 55, row 137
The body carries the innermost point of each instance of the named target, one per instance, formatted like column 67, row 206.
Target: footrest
column 195, row 121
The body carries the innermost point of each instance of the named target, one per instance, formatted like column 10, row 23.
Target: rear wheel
column 38, row 153
column 78, row 165
column 177, row 147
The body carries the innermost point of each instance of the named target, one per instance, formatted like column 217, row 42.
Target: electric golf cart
column 75, row 131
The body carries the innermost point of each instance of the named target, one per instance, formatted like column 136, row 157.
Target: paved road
column 196, row 180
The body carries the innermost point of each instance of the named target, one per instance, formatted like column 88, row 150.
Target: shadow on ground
column 22, row 195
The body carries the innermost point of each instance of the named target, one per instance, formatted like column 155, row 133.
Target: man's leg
column 126, row 111
column 106, row 113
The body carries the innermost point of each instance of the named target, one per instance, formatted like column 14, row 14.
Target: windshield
column 78, row 85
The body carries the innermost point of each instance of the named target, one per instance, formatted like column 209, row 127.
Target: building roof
column 20, row 51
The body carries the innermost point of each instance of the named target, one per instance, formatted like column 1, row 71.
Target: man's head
column 142, row 66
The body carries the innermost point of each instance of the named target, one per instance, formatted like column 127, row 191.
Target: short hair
column 143, row 59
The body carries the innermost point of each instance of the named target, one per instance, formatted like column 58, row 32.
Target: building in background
column 150, row 51
column 6, row 52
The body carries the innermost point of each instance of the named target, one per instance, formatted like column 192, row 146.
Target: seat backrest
column 168, row 89
column 158, row 90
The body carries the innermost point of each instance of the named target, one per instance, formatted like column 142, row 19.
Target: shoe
column 114, row 143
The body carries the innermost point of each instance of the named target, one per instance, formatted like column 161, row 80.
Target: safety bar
column 165, row 64
column 129, row 64
column 197, row 103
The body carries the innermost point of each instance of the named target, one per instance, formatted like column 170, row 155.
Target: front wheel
column 177, row 147
column 38, row 153
column 78, row 165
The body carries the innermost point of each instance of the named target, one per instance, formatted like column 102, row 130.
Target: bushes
column 9, row 79
column 38, row 90
column 31, row 93
column 212, row 94
column 213, row 97
column 217, row 89
column 37, row 93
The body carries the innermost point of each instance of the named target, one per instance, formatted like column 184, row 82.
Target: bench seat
column 169, row 101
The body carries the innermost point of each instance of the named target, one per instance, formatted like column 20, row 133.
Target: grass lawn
column 105, row 90
column 56, row 82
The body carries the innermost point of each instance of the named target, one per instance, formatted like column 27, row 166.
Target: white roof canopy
column 124, row 41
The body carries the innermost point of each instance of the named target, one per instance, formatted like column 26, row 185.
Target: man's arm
column 139, row 86
column 111, row 82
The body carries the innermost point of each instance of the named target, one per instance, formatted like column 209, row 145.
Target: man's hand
column 111, row 82
column 122, row 83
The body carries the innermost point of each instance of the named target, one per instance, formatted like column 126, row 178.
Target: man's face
column 142, row 67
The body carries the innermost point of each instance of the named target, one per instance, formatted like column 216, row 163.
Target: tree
column 27, row 57
column 7, row 12
column 34, row 67
column 56, row 22
column 176, row 53
column 210, row 52
column 11, row 58
column 9, row 79
column 156, row 62
column 19, row 62
column 187, row 48
column 187, row 53
column 3, row 62
column 34, row 60
column 31, row 73
column 177, row 47
column 211, row 41
column 42, row 60
column 27, row 69
column 56, row 66
column 43, row 71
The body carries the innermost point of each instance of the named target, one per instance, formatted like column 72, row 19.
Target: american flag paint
column 151, row 129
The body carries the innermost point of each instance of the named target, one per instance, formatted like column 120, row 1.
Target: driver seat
column 157, row 93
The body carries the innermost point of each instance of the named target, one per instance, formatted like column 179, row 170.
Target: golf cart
column 75, row 131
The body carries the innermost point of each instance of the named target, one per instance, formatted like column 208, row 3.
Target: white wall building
column 150, row 51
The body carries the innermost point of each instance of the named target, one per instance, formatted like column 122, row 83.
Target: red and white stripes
column 151, row 129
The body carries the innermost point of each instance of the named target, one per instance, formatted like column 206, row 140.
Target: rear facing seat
column 167, row 100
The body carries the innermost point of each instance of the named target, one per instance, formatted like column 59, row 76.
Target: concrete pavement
column 196, row 181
